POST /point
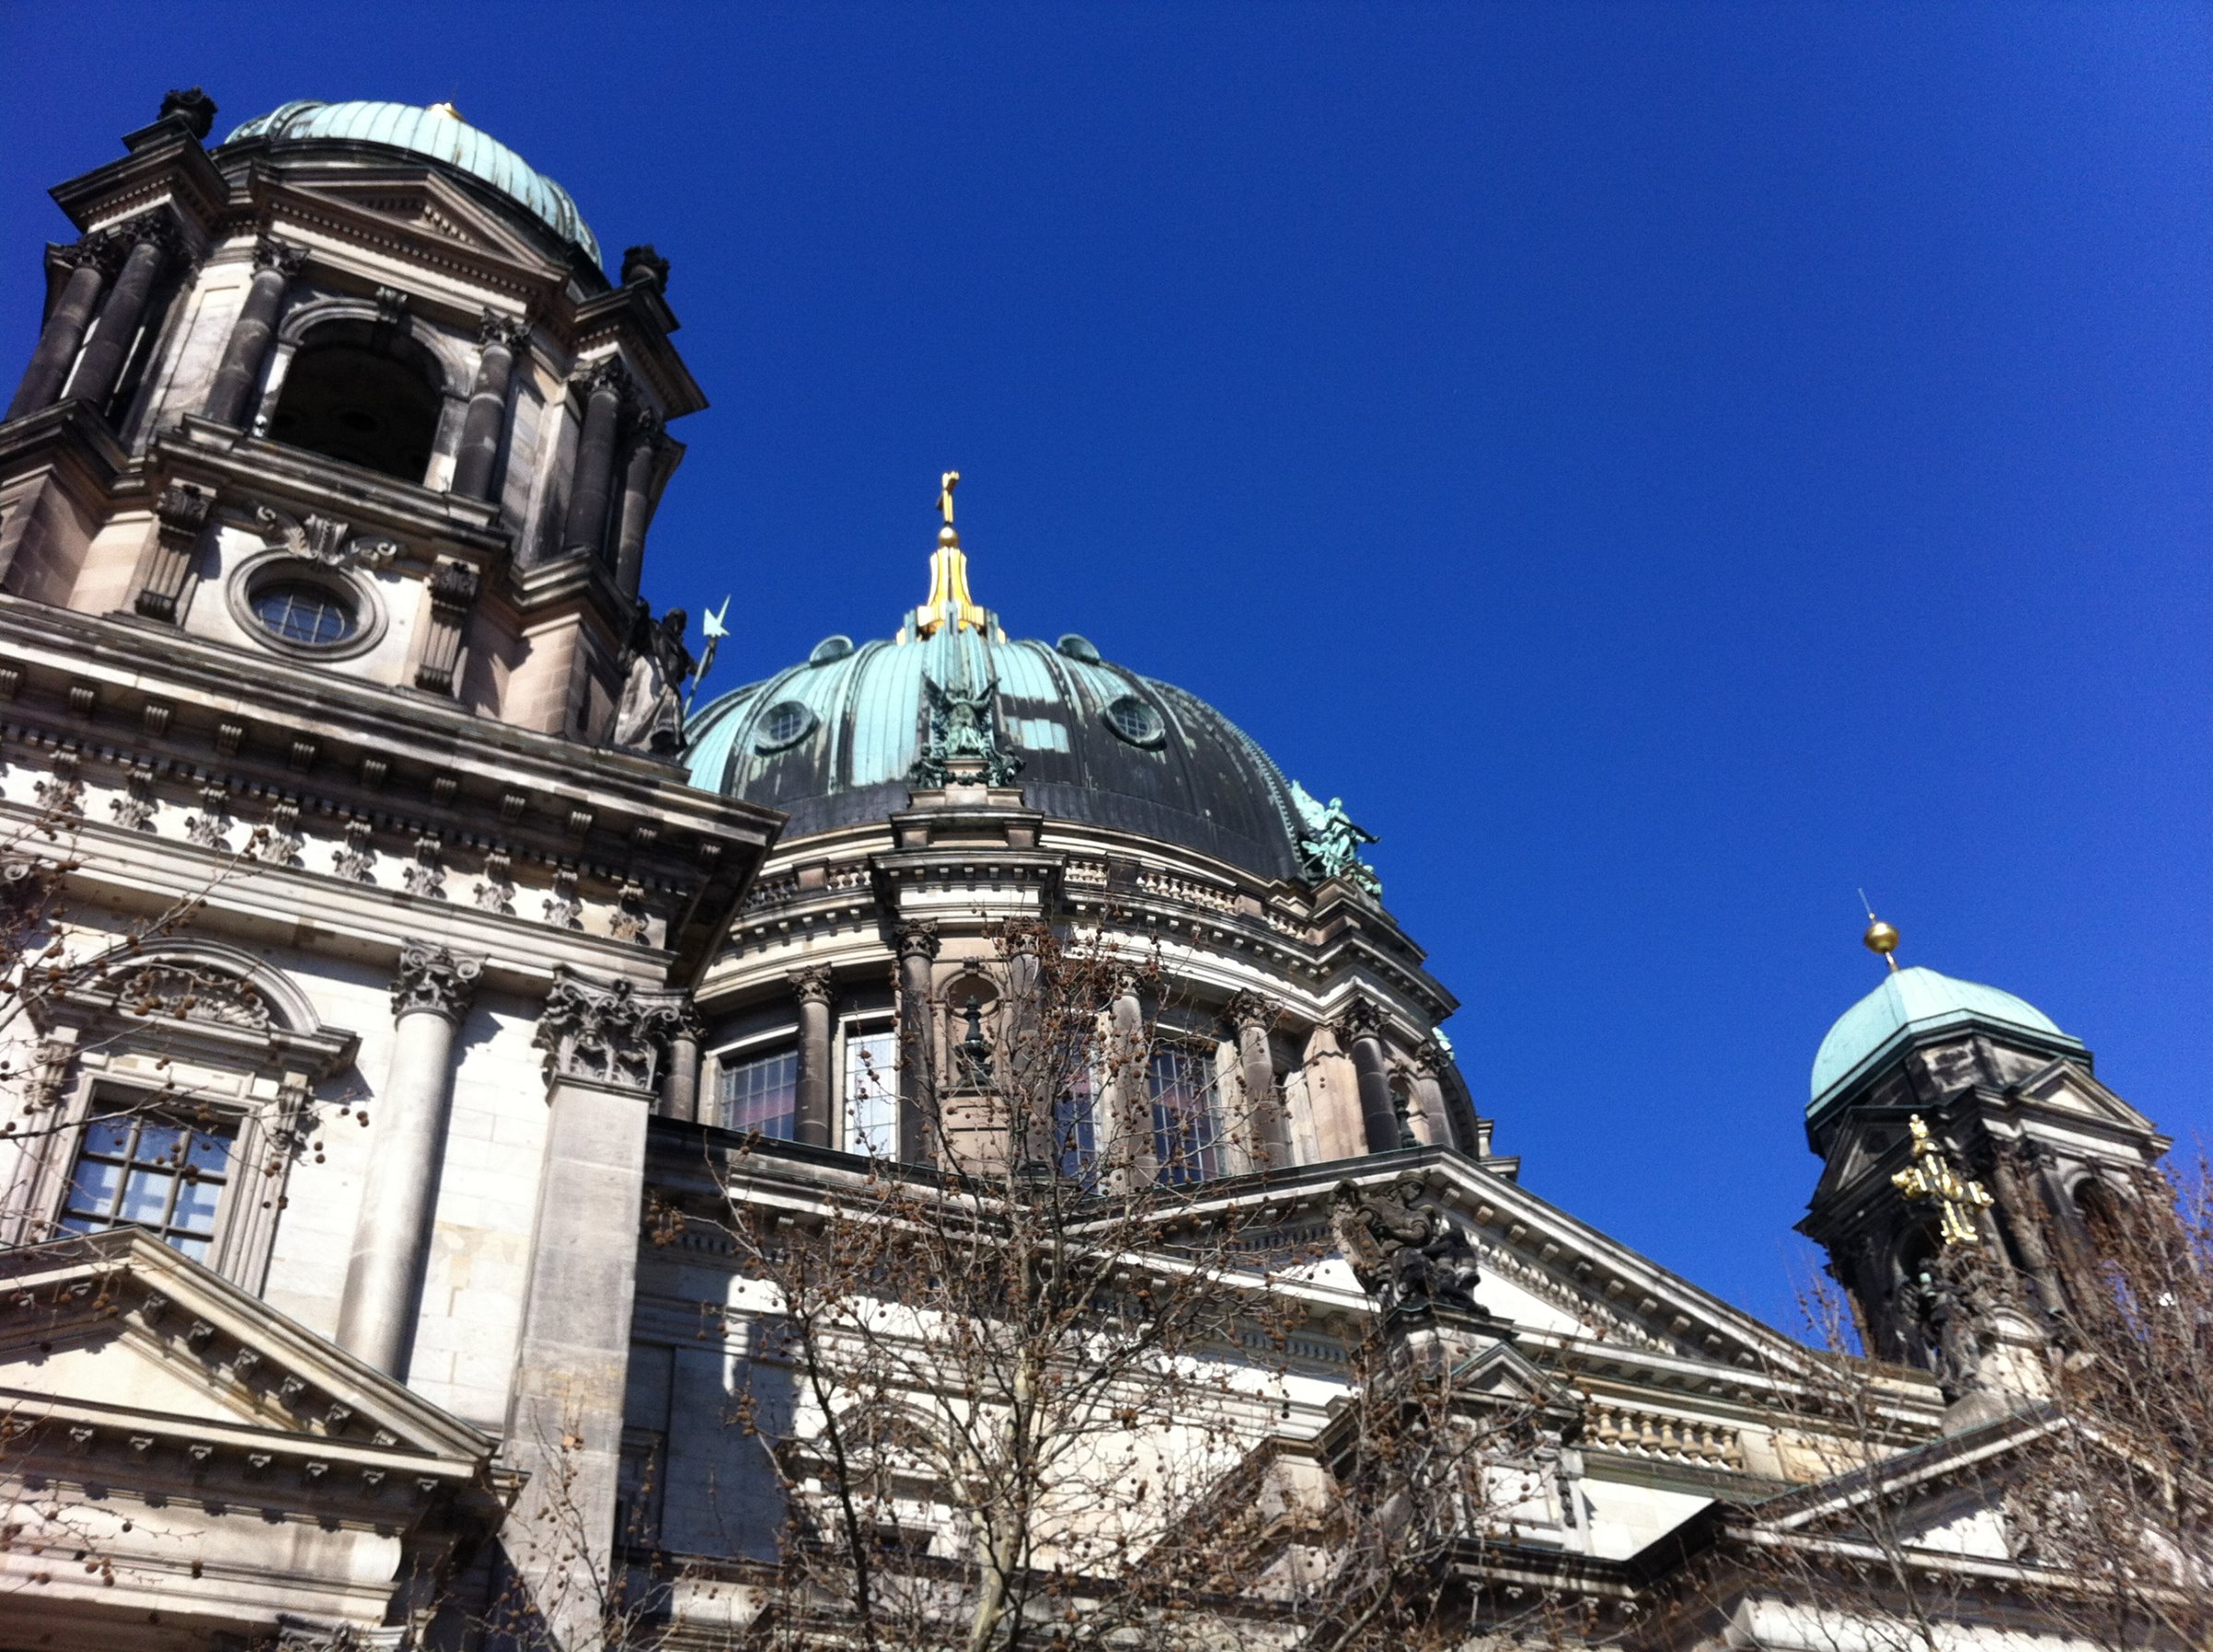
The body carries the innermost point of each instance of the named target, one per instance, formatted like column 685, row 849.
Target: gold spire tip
column 446, row 109
column 1881, row 940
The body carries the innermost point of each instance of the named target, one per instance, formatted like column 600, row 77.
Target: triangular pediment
column 431, row 209
column 117, row 1337
column 2066, row 1085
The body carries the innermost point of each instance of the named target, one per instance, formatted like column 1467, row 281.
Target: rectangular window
column 872, row 1091
column 758, row 1091
column 151, row 1173
column 1187, row 1129
column 1075, row 1129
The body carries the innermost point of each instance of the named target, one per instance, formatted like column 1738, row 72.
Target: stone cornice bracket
column 280, row 256
column 453, row 587
column 813, row 985
column 1252, row 1009
column 323, row 540
column 437, row 980
column 916, row 937
column 181, row 515
column 607, row 1033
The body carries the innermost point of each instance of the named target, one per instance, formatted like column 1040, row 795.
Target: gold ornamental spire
column 1881, row 939
column 948, row 602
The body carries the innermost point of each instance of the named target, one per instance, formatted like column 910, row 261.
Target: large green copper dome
column 835, row 741
column 441, row 136
column 1912, row 1002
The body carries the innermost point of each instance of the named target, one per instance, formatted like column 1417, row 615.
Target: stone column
column 247, row 352
column 679, row 1084
column 64, row 333
column 1128, row 1092
column 151, row 243
column 1433, row 1126
column 1031, row 1071
column 430, row 995
column 476, row 463
column 601, row 388
column 2025, row 1221
column 637, row 499
column 1252, row 1015
column 604, row 1042
column 811, row 1103
column 917, row 943
column 1362, row 1031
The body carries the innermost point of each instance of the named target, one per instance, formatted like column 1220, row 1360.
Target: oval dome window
column 1078, row 648
column 830, row 648
column 786, row 723
column 1136, row 722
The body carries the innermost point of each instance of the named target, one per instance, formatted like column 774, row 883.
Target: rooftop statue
column 1403, row 1253
column 1330, row 841
column 650, row 716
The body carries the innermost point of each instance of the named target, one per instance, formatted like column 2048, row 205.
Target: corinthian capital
column 606, row 1032
column 434, row 979
column 812, row 984
column 916, row 937
column 1363, row 1018
column 1252, row 1009
column 279, row 255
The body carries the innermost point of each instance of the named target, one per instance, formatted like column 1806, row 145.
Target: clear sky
column 1667, row 467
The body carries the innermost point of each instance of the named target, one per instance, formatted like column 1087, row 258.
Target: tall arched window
column 363, row 396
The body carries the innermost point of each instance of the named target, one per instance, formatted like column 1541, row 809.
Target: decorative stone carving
column 509, row 332
column 181, row 515
column 960, row 737
column 1950, row 1305
column 1404, row 1254
column 631, row 921
column 280, row 838
column 435, row 980
column 280, row 256
column 495, row 890
column 192, row 109
column 915, row 938
column 1330, row 842
column 62, row 791
column 563, row 909
column 357, row 861
column 425, row 876
column 324, row 540
column 642, row 267
column 453, row 590
column 607, row 1033
column 189, row 993
column 1247, row 1008
column 134, row 812
column 813, row 985
column 210, row 829
column 392, row 305
column 651, row 714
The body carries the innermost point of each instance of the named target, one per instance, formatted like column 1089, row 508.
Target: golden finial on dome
column 1881, row 939
column 949, row 601
column 447, row 110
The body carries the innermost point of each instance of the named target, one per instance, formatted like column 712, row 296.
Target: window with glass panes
column 1075, row 1129
column 151, row 1173
column 756, row 1091
column 1186, row 1129
column 872, row 1090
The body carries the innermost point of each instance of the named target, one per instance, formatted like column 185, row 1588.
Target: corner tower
column 2001, row 1091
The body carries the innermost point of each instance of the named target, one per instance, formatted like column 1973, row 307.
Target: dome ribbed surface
column 438, row 136
column 1203, row 784
column 1914, row 1001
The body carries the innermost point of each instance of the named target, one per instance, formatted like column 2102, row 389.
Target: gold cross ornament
column 1930, row 1176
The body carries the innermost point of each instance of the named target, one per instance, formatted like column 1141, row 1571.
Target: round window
column 1136, row 722
column 786, row 723
column 312, row 616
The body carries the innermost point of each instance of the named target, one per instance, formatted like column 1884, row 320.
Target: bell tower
column 349, row 390
column 1961, row 1131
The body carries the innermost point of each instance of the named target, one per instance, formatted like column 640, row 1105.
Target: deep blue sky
column 1665, row 467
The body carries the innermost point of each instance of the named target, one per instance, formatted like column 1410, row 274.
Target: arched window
column 362, row 396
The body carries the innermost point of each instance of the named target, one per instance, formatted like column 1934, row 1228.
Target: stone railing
column 1665, row 1438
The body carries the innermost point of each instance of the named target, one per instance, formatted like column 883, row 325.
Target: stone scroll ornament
column 607, row 1033
column 1404, row 1253
column 323, row 539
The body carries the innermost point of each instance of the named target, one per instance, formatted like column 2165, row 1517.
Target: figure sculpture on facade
column 1949, row 1306
column 960, row 739
column 1330, row 842
column 650, row 716
column 1403, row 1253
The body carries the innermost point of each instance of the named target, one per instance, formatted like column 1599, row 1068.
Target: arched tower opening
column 363, row 396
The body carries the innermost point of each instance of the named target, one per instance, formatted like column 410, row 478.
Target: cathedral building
column 391, row 954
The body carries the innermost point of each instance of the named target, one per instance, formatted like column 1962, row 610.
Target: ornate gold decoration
column 1930, row 1176
column 949, row 601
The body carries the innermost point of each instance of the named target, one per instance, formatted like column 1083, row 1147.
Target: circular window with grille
column 309, row 616
column 1136, row 722
column 297, row 607
column 784, row 724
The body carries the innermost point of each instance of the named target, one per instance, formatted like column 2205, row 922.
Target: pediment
column 2066, row 1087
column 116, row 1342
column 430, row 208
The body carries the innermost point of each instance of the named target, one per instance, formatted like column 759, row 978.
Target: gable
column 438, row 219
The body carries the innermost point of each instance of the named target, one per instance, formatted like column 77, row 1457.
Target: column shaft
column 1269, row 1128
column 246, row 351
column 917, row 1042
column 637, row 503
column 102, row 364
column 586, row 529
column 679, row 1084
column 811, row 1101
column 476, row 465
column 1371, row 1071
column 1128, row 1128
column 61, row 336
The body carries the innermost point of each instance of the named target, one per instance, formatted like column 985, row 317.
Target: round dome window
column 830, row 648
column 1136, row 722
column 786, row 725
column 1078, row 648
column 304, row 613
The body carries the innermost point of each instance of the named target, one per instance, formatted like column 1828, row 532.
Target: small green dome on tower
column 1909, row 1004
column 438, row 133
